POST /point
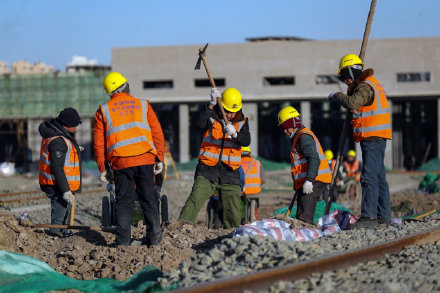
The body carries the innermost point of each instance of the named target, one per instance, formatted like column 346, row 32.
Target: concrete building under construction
column 271, row 73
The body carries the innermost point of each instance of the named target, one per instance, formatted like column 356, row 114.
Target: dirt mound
column 87, row 255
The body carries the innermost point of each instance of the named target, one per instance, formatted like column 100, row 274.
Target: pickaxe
column 202, row 57
column 333, row 186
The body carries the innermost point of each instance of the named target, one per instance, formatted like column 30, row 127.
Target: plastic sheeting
column 21, row 273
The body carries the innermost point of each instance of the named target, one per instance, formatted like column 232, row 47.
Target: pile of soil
column 87, row 254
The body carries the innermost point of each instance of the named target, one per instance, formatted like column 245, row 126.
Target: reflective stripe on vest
column 374, row 119
column 252, row 181
column 299, row 163
column 217, row 145
column 71, row 165
column 126, row 134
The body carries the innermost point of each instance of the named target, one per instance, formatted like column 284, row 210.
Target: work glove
column 81, row 148
column 332, row 97
column 104, row 177
column 68, row 197
column 158, row 167
column 307, row 187
column 214, row 95
column 230, row 130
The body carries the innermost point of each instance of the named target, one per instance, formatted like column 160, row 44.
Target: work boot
column 384, row 222
column 364, row 222
column 153, row 241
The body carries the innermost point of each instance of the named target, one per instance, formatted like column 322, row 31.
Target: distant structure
column 82, row 64
column 24, row 67
column 4, row 67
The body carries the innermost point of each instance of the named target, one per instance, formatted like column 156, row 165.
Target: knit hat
column 69, row 117
column 291, row 123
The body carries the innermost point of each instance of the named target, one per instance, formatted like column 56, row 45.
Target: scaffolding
column 45, row 95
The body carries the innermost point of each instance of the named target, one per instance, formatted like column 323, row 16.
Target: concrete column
column 250, row 110
column 389, row 150
column 84, row 138
column 306, row 116
column 184, row 133
column 438, row 127
column 34, row 141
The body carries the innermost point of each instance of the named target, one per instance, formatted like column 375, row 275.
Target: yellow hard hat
column 245, row 149
column 349, row 60
column 231, row 100
column 287, row 113
column 328, row 155
column 113, row 81
column 351, row 153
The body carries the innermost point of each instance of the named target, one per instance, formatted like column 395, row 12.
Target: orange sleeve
column 157, row 133
column 99, row 140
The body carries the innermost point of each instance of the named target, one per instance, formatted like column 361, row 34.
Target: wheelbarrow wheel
column 106, row 218
column 353, row 191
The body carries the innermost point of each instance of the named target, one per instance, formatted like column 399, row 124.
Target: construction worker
column 253, row 172
column 60, row 166
column 352, row 166
column 329, row 157
column 368, row 103
column 217, row 171
column 310, row 169
column 128, row 135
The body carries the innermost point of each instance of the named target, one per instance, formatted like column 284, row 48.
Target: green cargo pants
column 202, row 191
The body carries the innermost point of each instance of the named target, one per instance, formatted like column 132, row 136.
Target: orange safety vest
column 300, row 164
column 216, row 144
column 252, row 180
column 375, row 119
column 127, row 130
column 352, row 170
column 71, row 165
column 332, row 164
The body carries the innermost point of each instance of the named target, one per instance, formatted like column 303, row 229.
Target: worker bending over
column 371, row 123
column 310, row 169
column 128, row 135
column 253, row 172
column 220, row 158
column 60, row 166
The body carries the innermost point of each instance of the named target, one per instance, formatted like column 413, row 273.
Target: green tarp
column 319, row 211
column 21, row 273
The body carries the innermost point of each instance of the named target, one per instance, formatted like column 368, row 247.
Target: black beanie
column 69, row 117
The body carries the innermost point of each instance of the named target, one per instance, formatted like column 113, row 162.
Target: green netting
column 272, row 165
column 21, row 273
column 431, row 166
column 319, row 211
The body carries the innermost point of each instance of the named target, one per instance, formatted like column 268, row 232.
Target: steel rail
column 38, row 197
column 263, row 279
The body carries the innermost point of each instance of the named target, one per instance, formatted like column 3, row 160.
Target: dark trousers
column 125, row 180
column 375, row 191
column 60, row 212
column 307, row 202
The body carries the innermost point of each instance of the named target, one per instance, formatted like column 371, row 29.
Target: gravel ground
column 241, row 255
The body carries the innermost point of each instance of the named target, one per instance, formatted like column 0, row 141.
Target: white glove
column 81, row 148
column 214, row 95
column 230, row 130
column 332, row 97
column 307, row 187
column 104, row 177
column 68, row 197
column 158, row 167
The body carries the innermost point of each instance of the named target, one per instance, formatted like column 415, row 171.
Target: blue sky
column 52, row 31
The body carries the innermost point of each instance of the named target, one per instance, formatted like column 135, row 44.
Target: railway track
column 7, row 199
column 263, row 279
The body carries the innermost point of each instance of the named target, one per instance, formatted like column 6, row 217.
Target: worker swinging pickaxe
column 202, row 57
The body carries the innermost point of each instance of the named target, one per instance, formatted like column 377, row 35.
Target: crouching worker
column 310, row 169
column 220, row 158
column 60, row 170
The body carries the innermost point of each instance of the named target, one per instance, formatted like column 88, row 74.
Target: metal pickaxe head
column 201, row 54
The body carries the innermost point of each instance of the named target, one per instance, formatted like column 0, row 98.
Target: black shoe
column 67, row 234
column 156, row 240
column 54, row 234
column 367, row 223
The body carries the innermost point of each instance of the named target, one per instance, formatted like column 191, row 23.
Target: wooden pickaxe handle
column 211, row 80
column 72, row 211
column 348, row 115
